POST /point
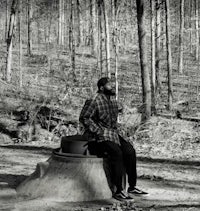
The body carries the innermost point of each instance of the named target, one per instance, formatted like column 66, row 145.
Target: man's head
column 105, row 86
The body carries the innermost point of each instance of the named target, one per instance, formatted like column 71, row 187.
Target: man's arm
column 88, row 111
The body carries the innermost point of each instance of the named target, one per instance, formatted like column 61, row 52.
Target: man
column 99, row 117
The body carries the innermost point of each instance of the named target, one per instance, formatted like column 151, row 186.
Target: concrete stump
column 67, row 177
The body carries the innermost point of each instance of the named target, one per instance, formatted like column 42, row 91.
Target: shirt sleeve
column 87, row 113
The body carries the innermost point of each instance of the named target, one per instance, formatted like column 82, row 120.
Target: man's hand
column 100, row 136
column 120, row 107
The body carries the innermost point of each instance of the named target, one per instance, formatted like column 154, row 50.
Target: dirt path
column 170, row 186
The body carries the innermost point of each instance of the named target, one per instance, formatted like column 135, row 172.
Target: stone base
column 67, row 177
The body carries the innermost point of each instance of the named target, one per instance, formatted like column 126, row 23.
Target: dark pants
column 120, row 158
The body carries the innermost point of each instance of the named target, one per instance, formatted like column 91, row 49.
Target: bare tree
column 197, row 28
column 20, row 43
column 115, row 11
column 107, row 37
column 94, row 34
column 100, row 50
column 6, row 20
column 158, row 46
column 12, row 23
column 190, row 25
column 49, row 25
column 180, row 64
column 61, row 23
column 29, row 43
column 72, row 41
column 146, row 87
column 38, row 33
column 153, row 56
column 79, row 31
column 71, row 25
column 169, row 57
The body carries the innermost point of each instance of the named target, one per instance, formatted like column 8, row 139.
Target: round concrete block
column 67, row 177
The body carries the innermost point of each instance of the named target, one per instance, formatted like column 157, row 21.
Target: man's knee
column 118, row 153
column 94, row 149
column 131, row 152
column 114, row 150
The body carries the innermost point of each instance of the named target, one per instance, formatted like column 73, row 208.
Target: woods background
column 53, row 52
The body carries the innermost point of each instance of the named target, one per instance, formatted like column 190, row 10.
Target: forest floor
column 171, row 186
column 168, row 166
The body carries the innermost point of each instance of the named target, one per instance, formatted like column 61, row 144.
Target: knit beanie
column 102, row 82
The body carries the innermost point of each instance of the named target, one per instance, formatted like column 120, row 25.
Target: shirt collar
column 104, row 96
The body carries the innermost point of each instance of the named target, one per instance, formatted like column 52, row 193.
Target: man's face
column 108, row 89
column 108, row 86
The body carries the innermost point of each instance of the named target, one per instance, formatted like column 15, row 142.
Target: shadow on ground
column 38, row 149
column 12, row 180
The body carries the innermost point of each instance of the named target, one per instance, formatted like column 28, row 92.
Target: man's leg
column 129, row 156
column 115, row 159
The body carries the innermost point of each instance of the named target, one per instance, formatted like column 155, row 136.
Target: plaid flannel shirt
column 99, row 117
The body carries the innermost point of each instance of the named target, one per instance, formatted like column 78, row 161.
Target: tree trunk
column 72, row 44
column 29, row 44
column 94, row 34
column 113, row 20
column 79, row 31
column 107, row 38
column 86, row 22
column 10, row 39
column 190, row 25
column 169, row 57
column 153, row 56
column 6, row 21
column 50, row 17
column 38, row 33
column 197, row 28
column 158, row 29
column 146, row 87
column 180, row 64
column 70, row 26
column 61, row 23
column 100, row 50
column 115, row 42
column 20, row 43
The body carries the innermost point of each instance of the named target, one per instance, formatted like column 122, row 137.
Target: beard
column 109, row 92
